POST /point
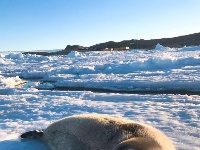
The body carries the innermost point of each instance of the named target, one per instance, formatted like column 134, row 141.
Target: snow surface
column 159, row 87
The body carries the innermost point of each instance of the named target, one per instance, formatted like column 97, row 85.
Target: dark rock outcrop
column 176, row 42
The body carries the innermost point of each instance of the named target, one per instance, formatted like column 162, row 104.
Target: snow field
column 27, row 107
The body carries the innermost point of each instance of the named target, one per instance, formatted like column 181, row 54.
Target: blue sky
column 53, row 24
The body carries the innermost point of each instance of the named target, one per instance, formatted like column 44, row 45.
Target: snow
column 160, row 47
column 160, row 87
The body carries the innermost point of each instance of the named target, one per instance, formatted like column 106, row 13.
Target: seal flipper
column 32, row 134
column 138, row 143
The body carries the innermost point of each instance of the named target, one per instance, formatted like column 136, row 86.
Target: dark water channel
column 45, row 85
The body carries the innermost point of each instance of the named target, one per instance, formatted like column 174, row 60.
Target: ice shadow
column 17, row 144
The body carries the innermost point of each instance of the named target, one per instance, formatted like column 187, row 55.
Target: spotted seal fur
column 101, row 132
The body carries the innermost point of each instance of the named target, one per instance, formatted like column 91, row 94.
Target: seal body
column 103, row 132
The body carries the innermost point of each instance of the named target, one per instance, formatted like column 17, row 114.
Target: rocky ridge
column 176, row 42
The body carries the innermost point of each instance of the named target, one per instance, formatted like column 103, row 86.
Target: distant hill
column 176, row 42
column 186, row 40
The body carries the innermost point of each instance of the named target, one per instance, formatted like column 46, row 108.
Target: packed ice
column 160, row 87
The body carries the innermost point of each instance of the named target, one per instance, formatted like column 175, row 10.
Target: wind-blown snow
column 160, row 87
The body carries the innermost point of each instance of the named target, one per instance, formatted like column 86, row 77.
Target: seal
column 101, row 132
